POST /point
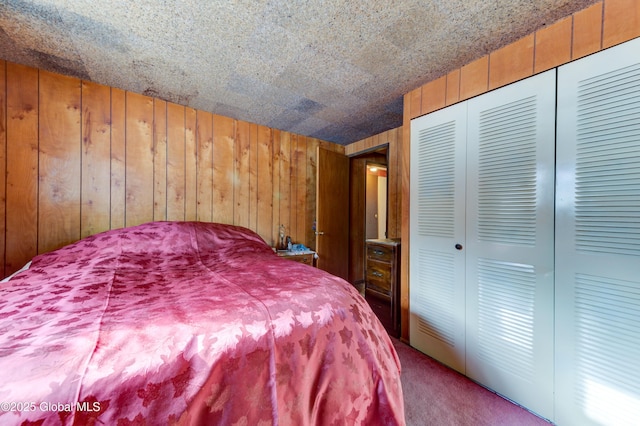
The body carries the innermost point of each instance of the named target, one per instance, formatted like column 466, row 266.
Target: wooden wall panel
column 139, row 159
column 204, row 176
column 176, row 167
column 357, row 224
column 191, row 165
column 22, row 166
column 587, row 31
column 118, row 157
column 511, row 63
column 393, row 187
column 253, row 177
column 621, row 21
column 3, row 162
column 241, row 174
column 81, row 158
column 415, row 100
column 285, row 182
column 300, row 205
column 553, row 45
column 96, row 156
column 405, row 236
column 223, row 169
column 434, row 95
column 311, row 181
column 453, row 87
column 159, row 159
column 275, row 150
column 264, row 195
column 293, row 187
column 59, row 161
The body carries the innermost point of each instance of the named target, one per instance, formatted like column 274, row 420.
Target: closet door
column 437, row 221
column 598, row 239
column 509, row 259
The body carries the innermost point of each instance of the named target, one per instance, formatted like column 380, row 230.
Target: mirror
column 376, row 201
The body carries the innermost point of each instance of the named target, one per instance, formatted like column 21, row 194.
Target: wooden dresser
column 382, row 282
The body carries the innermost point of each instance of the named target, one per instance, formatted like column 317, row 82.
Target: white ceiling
column 334, row 70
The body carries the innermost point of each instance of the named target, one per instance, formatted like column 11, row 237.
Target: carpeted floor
column 437, row 395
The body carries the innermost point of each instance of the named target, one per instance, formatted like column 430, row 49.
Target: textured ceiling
column 334, row 70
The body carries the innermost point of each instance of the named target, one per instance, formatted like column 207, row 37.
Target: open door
column 332, row 210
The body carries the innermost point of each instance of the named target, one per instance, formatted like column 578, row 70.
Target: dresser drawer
column 382, row 289
column 306, row 258
column 379, row 252
column 379, row 276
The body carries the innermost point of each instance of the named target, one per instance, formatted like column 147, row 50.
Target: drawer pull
column 378, row 252
column 376, row 274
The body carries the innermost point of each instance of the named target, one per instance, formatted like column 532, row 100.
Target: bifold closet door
column 437, row 221
column 510, row 231
column 598, row 239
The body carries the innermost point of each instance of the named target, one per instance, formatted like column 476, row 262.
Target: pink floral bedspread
column 189, row 323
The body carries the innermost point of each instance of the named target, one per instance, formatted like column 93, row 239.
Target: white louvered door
column 509, row 232
column 437, row 221
column 598, row 239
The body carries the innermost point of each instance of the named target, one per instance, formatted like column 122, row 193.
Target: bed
column 189, row 323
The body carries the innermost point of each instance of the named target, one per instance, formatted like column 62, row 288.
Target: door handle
column 319, row 233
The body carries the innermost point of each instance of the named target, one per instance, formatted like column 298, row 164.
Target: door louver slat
column 507, row 173
column 436, row 157
column 607, row 163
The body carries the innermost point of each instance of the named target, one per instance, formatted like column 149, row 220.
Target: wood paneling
column 394, row 187
column 453, row 87
column 587, row 31
column 553, row 45
column 434, row 95
column 224, row 134
column 22, row 166
column 242, row 176
column 205, row 166
column 96, row 157
column 264, row 190
column 621, row 21
column 311, row 180
column 300, row 184
column 176, row 167
column 474, row 79
column 118, row 157
column 58, row 161
column 511, row 63
column 405, row 236
column 139, row 159
column 276, row 194
column 286, row 195
column 159, row 159
column 253, row 176
column 3, row 160
column 81, row 158
column 415, row 99
column 191, row 165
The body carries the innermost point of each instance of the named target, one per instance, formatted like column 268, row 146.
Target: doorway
column 367, row 213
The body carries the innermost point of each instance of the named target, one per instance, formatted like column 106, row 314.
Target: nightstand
column 382, row 282
column 307, row 257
